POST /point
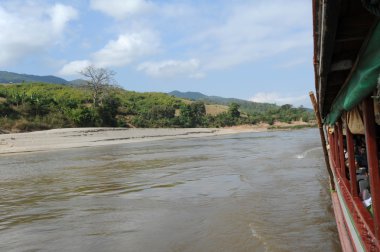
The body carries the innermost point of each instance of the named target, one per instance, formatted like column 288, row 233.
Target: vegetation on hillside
column 35, row 106
column 245, row 106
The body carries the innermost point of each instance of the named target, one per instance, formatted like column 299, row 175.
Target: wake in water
column 258, row 237
column 304, row 154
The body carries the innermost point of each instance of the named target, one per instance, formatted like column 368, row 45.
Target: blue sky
column 254, row 50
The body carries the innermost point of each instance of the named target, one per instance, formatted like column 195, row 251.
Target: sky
column 255, row 50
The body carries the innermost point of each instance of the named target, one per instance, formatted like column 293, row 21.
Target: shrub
column 24, row 125
column 85, row 117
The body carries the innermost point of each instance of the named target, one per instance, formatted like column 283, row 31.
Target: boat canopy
column 363, row 81
column 346, row 60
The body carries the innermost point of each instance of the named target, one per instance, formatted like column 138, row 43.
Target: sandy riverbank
column 88, row 137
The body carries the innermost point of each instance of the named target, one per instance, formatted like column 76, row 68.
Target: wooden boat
column 347, row 82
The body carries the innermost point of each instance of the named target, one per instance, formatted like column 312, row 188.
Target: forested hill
column 245, row 106
column 9, row 77
column 189, row 95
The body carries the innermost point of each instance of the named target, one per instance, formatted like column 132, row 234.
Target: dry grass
column 187, row 102
column 215, row 109
column 211, row 109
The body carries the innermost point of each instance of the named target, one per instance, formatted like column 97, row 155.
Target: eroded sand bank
column 87, row 137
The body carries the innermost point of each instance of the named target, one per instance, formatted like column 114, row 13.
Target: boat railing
column 360, row 216
column 365, row 224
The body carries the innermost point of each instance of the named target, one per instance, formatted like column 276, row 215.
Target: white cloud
column 121, row 9
column 253, row 31
column 60, row 15
column 29, row 28
column 172, row 68
column 73, row 68
column 279, row 99
column 126, row 49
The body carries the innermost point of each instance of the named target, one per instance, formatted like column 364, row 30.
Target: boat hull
column 348, row 234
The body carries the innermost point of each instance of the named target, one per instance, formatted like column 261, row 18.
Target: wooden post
column 332, row 149
column 323, row 140
column 336, row 150
column 351, row 162
column 373, row 167
column 341, row 151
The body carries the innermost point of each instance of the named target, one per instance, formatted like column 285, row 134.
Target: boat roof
column 341, row 31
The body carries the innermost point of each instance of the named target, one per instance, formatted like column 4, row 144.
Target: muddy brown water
column 244, row 192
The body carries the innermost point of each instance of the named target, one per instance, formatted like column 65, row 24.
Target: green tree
column 225, row 119
column 198, row 109
column 233, row 110
column 192, row 115
column 286, row 107
column 85, row 117
column 108, row 111
column 186, row 117
column 161, row 111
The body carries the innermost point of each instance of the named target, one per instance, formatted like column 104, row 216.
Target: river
column 263, row 191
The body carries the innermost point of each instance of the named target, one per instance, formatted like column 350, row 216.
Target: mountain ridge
column 245, row 106
column 7, row 77
column 11, row 77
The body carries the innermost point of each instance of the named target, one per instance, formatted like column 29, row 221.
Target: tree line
column 36, row 106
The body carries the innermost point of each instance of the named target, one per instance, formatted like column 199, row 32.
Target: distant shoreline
column 68, row 138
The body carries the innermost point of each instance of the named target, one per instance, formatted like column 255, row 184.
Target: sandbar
column 66, row 138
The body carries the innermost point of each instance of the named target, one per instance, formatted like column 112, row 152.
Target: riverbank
column 88, row 137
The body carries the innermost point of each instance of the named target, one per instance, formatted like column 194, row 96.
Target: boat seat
column 361, row 177
column 366, row 195
column 363, row 185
